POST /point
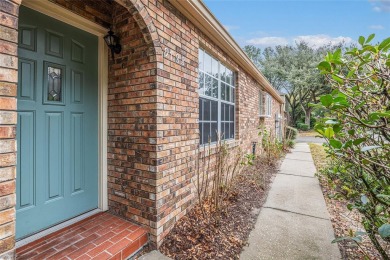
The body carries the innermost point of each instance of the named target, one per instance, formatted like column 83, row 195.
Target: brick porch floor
column 102, row 236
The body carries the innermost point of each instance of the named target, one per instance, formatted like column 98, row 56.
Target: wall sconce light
column 112, row 42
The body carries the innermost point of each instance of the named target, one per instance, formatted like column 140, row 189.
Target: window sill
column 264, row 116
column 231, row 143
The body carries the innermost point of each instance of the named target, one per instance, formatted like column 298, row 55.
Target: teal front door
column 57, row 133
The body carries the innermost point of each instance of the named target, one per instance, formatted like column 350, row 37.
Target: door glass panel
column 54, row 85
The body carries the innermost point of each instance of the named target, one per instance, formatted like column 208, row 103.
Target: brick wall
column 8, row 80
column 177, row 116
column 96, row 11
column 132, row 119
column 152, row 111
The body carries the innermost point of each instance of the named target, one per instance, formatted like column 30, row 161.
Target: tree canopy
column 293, row 71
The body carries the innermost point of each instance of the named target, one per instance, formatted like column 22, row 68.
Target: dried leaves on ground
column 343, row 220
column 196, row 236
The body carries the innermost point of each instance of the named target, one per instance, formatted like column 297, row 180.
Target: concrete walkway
column 310, row 139
column 294, row 222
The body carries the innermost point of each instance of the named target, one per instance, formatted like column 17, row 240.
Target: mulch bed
column 343, row 220
column 194, row 237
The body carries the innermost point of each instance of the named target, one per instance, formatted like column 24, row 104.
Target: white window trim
column 219, row 99
column 268, row 112
column 265, row 104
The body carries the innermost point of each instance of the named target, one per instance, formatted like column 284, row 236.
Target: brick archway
column 145, row 22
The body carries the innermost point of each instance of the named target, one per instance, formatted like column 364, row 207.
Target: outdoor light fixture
column 112, row 42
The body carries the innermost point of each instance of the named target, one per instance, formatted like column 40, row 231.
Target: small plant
column 272, row 148
column 289, row 143
column 216, row 167
column 291, row 133
column 248, row 159
column 354, row 237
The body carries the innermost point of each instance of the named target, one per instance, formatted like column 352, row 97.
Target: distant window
column 268, row 110
column 217, row 99
column 265, row 104
column 261, row 103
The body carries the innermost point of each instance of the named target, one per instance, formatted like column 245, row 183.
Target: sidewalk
column 294, row 222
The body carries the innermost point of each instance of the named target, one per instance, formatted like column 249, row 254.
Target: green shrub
column 290, row 143
column 356, row 129
column 312, row 121
column 272, row 148
column 302, row 126
column 291, row 133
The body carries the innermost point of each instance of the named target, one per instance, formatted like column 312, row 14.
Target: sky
column 266, row 23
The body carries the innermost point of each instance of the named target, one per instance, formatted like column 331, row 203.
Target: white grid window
column 217, row 99
column 261, row 103
column 268, row 110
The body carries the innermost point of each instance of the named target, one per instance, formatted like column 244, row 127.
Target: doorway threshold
column 101, row 236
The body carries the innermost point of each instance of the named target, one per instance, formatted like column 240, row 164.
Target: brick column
column 8, row 117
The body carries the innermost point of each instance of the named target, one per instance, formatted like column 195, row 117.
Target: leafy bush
column 303, row 126
column 290, row 143
column 291, row 133
column 312, row 121
column 357, row 131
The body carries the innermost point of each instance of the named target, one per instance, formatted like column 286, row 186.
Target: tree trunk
column 307, row 117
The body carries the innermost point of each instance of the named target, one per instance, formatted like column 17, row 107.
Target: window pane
column 207, row 63
column 215, row 88
column 231, row 131
column 227, row 93
column 206, row 110
column 214, row 132
column 201, row 102
column 222, row 131
column 54, row 81
column 208, row 85
column 201, row 83
column 206, row 132
column 214, row 67
column 232, row 94
column 222, row 71
column 227, row 118
column 222, row 111
column 200, row 59
column 214, row 110
column 223, row 91
column 227, row 132
column 231, row 113
column 269, row 105
column 228, row 76
column 261, row 107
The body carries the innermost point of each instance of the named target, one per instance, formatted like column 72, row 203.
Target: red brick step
column 101, row 236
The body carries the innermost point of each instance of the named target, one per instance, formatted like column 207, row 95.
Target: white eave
column 197, row 12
